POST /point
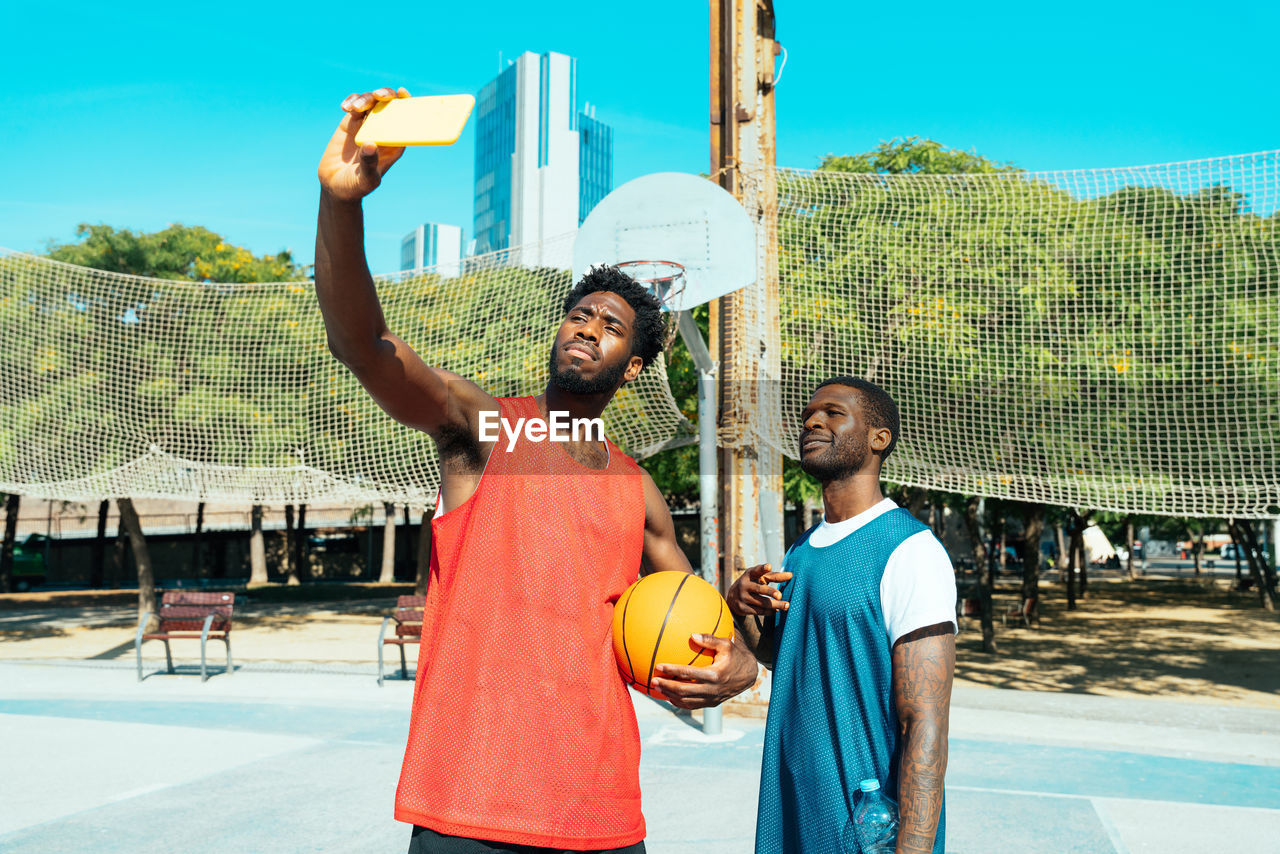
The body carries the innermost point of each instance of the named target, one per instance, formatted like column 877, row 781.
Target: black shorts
column 426, row 841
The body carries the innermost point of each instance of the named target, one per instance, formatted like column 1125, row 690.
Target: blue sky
column 146, row 114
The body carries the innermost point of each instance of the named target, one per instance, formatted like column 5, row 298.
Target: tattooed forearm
column 923, row 663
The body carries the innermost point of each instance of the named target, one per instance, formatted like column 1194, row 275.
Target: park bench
column 189, row 615
column 408, row 622
column 1027, row 612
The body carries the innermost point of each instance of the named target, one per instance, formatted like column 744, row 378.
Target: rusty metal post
column 745, row 324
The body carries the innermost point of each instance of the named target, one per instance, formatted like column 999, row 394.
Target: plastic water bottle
column 873, row 828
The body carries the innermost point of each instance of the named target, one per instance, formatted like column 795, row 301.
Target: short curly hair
column 649, row 331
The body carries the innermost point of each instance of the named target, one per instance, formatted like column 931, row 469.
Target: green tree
column 913, row 156
column 178, row 252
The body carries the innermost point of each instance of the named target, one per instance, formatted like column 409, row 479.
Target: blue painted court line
column 1110, row 774
column 306, row 721
column 974, row 764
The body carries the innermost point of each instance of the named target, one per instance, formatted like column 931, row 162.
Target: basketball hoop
column 663, row 279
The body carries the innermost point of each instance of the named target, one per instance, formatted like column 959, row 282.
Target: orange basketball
column 654, row 619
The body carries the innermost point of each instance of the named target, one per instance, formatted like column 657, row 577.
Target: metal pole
column 708, row 476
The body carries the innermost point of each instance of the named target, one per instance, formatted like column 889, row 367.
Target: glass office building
column 432, row 244
column 541, row 162
column 595, row 162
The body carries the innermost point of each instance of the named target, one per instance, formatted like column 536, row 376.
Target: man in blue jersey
column 861, row 637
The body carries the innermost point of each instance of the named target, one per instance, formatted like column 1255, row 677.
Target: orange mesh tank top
column 522, row 730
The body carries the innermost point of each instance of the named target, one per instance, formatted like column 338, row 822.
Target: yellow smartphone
column 428, row 120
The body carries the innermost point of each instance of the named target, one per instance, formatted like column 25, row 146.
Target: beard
column 568, row 379
column 844, row 457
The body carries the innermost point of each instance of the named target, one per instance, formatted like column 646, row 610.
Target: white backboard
column 673, row 216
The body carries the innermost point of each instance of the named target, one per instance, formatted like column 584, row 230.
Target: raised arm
column 435, row 401
column 923, row 663
column 734, row 669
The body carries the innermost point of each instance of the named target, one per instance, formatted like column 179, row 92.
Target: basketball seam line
column 703, row 649
column 657, row 643
column 631, row 670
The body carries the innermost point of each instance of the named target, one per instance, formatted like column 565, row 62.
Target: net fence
column 114, row 385
column 1100, row 338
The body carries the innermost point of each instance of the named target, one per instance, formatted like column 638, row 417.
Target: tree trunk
column 810, row 513
column 404, row 543
column 11, row 504
column 1239, row 546
column 1060, row 539
column 1263, row 575
column 119, row 556
column 197, row 548
column 388, row 574
column 301, row 554
column 1082, row 559
column 98, row 555
column 915, row 504
column 1197, row 551
column 986, row 575
column 422, row 572
column 1076, row 532
column 290, row 566
column 257, row 548
column 1128, row 547
column 1033, row 529
column 1084, row 556
column 146, row 579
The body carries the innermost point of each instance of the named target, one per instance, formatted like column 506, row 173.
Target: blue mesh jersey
column 832, row 721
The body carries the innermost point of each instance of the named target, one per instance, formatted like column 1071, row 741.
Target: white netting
column 1098, row 338
column 114, row 385
column 1102, row 338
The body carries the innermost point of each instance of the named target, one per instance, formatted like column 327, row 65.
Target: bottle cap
column 869, row 785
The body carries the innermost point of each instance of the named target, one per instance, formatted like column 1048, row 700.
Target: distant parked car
column 1229, row 553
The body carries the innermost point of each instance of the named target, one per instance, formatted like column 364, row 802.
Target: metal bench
column 189, row 615
column 1028, row 612
column 408, row 622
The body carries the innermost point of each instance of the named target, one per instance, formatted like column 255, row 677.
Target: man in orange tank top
column 522, row 734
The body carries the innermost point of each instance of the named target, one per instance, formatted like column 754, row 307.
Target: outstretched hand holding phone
column 348, row 172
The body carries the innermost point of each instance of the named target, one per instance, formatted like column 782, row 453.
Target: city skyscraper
column 541, row 162
column 432, row 244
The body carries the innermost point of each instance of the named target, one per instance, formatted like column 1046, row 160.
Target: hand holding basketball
column 753, row 594
column 733, row 671
column 349, row 172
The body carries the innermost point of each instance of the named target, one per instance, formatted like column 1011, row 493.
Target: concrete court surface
column 280, row 759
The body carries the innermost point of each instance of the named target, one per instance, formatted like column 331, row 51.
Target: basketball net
column 665, row 280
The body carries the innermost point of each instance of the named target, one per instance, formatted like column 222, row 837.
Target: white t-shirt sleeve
column 918, row 587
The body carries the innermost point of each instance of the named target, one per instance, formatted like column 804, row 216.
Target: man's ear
column 634, row 367
column 880, row 438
